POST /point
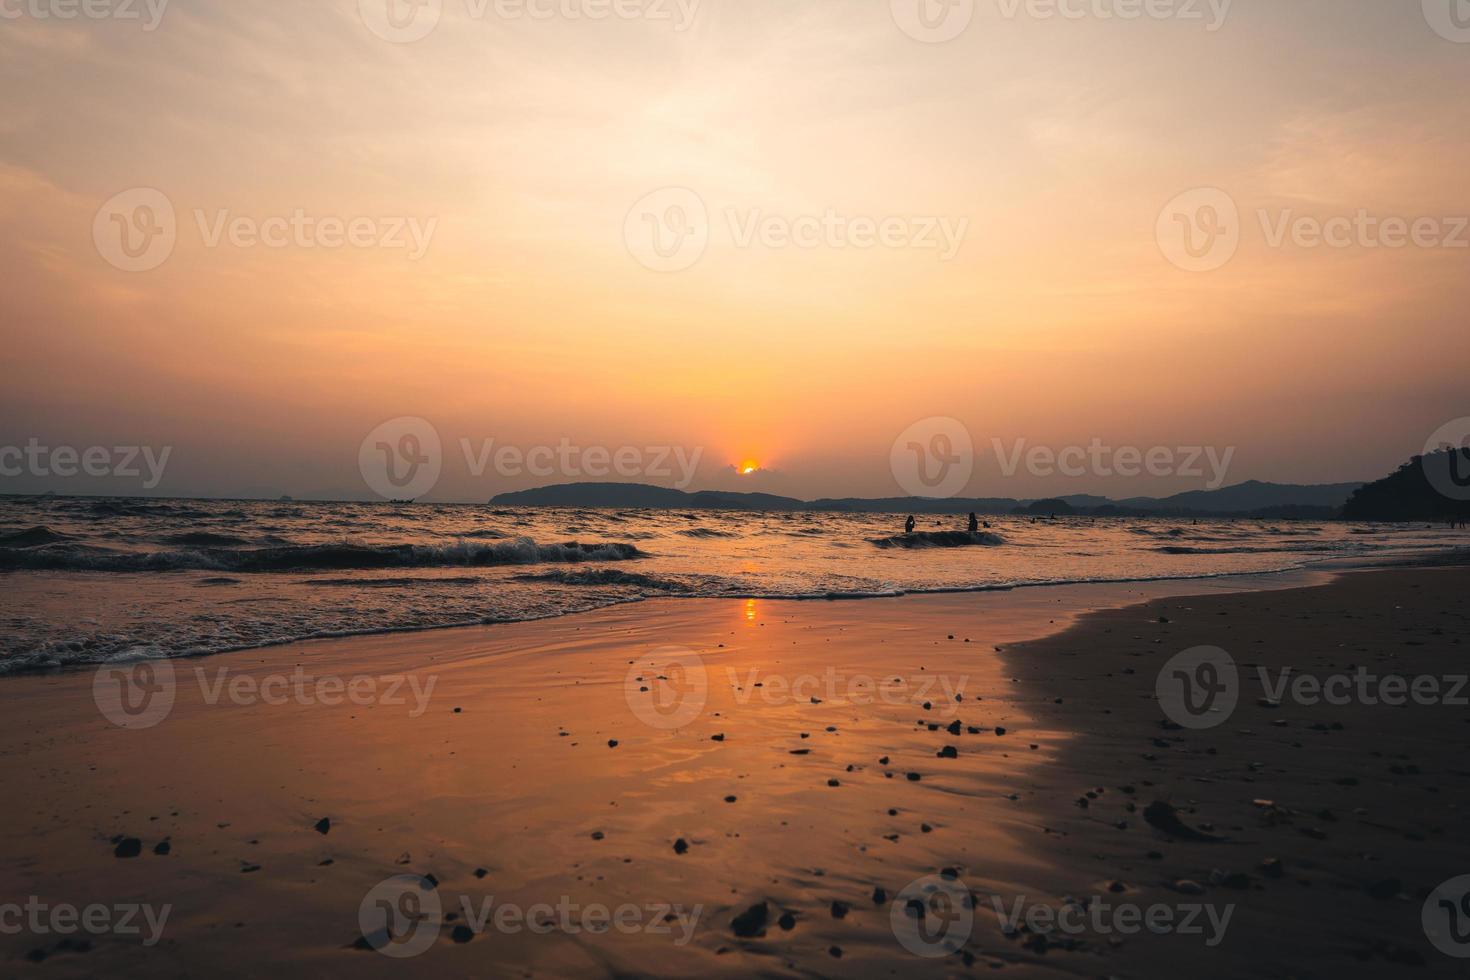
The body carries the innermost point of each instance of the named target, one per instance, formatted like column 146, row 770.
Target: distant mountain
column 1249, row 496
column 1408, row 494
column 1255, row 499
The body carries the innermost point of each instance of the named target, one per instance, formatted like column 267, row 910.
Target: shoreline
column 537, row 761
column 1452, row 556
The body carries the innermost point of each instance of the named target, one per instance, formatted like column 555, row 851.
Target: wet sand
column 484, row 758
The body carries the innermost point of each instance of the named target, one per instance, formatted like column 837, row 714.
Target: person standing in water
column 908, row 525
column 974, row 523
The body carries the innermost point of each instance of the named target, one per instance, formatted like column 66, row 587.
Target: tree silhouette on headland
column 1435, row 487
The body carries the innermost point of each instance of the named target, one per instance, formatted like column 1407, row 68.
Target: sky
column 761, row 234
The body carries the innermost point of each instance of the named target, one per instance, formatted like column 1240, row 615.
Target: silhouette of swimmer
column 974, row 523
column 908, row 525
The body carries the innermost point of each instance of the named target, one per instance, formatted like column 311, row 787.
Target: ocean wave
column 204, row 539
column 939, row 539
column 32, row 537
column 1282, row 549
column 706, row 532
column 603, row 576
column 520, row 551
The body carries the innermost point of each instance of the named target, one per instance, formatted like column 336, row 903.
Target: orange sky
column 530, row 316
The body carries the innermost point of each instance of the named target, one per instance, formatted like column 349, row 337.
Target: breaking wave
column 519, row 551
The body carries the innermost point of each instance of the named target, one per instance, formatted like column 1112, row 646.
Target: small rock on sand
column 752, row 922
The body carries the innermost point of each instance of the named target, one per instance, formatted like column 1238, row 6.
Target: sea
column 85, row 581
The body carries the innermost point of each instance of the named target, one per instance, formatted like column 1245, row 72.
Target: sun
column 748, row 467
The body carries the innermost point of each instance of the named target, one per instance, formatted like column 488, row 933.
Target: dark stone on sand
column 999, row 730
column 948, row 752
column 787, row 922
column 752, row 922
column 801, row 751
column 833, row 782
column 128, row 847
column 323, row 825
column 598, row 835
column 1164, row 817
column 880, row 897
column 249, row 869
column 1271, row 868
column 481, row 872
column 681, row 846
column 883, row 761
column 913, row 777
column 835, row 952
column 162, row 848
column 462, row 934
column 729, row 799
column 839, row 910
column 955, row 727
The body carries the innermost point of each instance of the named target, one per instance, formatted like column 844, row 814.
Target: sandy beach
column 790, row 769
